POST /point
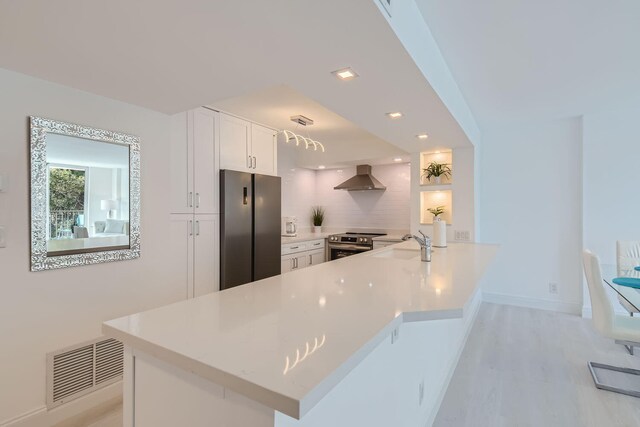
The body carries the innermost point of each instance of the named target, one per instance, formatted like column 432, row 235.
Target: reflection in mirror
column 88, row 195
column 85, row 195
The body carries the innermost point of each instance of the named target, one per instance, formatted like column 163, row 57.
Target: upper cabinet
column 247, row 147
column 194, row 162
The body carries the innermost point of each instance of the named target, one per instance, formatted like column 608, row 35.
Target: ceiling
column 534, row 60
column 342, row 139
column 174, row 55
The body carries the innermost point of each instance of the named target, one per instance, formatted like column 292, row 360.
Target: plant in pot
column 317, row 217
column 436, row 171
column 437, row 211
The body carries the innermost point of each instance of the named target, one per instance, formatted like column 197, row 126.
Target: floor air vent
column 75, row 371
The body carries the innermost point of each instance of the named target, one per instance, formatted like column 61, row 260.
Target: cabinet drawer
column 292, row 248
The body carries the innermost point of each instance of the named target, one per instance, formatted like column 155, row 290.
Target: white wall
column 385, row 210
column 530, row 203
column 611, row 185
column 48, row 310
column 298, row 186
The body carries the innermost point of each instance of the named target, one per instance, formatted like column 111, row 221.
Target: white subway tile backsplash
column 386, row 210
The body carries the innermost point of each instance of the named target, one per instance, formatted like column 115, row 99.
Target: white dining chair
column 627, row 258
column 608, row 324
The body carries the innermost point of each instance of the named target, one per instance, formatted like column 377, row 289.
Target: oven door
column 341, row 251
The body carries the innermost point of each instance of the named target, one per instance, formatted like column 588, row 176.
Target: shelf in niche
column 432, row 199
column 440, row 157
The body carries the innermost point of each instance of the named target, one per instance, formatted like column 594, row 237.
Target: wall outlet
column 420, row 393
column 395, row 335
column 3, row 237
column 462, row 235
column 553, row 288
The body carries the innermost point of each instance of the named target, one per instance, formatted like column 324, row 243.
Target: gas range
column 350, row 243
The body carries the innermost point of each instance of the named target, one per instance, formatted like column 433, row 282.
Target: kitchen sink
column 398, row 254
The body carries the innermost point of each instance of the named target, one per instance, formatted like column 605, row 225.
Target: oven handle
column 350, row 247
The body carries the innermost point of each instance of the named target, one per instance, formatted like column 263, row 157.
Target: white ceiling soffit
column 174, row 55
column 519, row 61
column 343, row 140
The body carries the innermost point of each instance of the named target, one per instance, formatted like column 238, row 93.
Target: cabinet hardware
column 249, row 163
column 190, row 228
column 255, row 162
column 190, row 199
column 310, row 260
column 197, row 228
column 197, row 200
column 295, row 247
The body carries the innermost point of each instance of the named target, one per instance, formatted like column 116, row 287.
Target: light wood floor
column 521, row 367
column 525, row 367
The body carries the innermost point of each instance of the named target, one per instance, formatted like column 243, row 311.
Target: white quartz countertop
column 288, row 340
column 304, row 237
column 389, row 238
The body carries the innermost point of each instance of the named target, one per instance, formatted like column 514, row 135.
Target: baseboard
column 41, row 417
column 475, row 308
column 540, row 304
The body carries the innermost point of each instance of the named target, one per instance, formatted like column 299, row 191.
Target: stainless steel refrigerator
column 250, row 206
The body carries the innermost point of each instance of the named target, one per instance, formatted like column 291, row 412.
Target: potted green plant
column 436, row 171
column 437, row 211
column 317, row 217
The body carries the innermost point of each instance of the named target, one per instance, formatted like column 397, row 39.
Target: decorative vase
column 437, row 179
column 439, row 233
column 317, row 229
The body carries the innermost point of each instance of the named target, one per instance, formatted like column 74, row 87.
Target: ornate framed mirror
column 85, row 195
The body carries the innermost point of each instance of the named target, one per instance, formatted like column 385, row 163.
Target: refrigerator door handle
column 245, row 197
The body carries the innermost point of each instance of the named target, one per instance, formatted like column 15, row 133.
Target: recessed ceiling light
column 395, row 115
column 422, row 136
column 397, row 159
column 321, row 167
column 345, row 74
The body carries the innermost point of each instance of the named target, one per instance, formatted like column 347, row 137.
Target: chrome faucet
column 425, row 246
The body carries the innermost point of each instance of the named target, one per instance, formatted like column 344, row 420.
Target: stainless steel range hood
column 362, row 181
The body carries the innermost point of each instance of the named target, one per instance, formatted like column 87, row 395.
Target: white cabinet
column 303, row 254
column 294, row 262
column 235, row 143
column 247, row 147
column 264, row 150
column 316, row 257
column 195, row 251
column 194, row 168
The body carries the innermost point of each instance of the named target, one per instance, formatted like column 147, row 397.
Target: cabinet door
column 235, row 143
column 286, row 264
column 263, row 150
column 302, row 260
column 181, row 166
column 316, row 257
column 206, row 254
column 181, row 248
column 203, row 133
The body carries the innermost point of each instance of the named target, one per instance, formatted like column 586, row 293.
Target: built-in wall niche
column 440, row 157
column 433, row 199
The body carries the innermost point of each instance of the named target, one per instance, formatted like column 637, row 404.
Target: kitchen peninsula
column 370, row 339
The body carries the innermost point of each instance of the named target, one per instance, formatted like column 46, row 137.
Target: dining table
column 624, row 290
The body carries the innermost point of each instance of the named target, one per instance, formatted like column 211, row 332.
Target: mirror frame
column 38, row 141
